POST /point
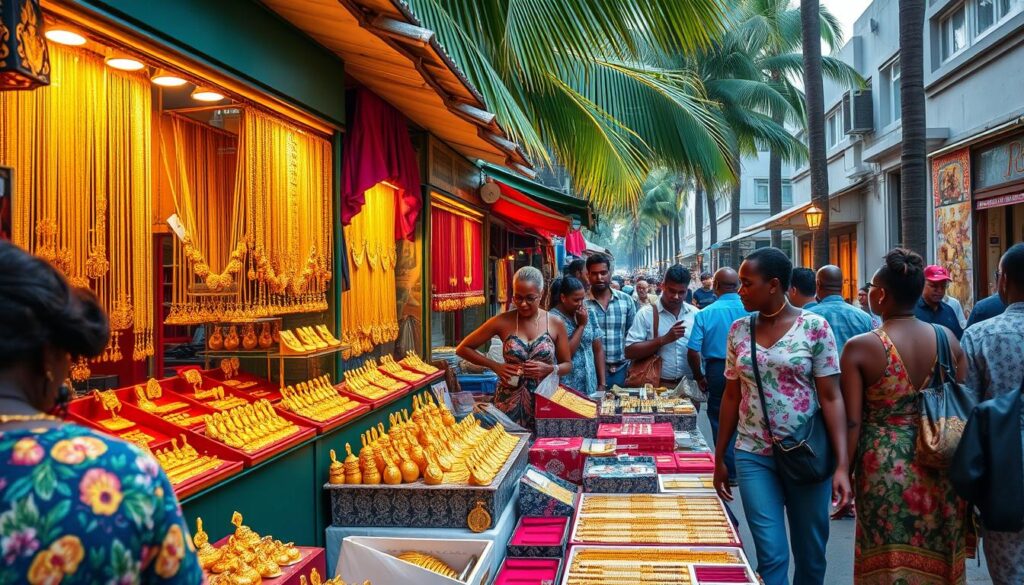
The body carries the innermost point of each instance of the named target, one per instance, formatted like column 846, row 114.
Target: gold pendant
column 478, row 519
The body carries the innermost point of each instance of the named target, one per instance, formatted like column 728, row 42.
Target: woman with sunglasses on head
column 796, row 378
column 534, row 347
column 910, row 523
column 76, row 506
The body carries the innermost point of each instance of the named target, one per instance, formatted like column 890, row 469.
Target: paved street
column 840, row 542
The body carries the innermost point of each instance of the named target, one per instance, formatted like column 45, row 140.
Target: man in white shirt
column 675, row 319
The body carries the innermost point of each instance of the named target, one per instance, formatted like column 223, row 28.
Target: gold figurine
column 112, row 404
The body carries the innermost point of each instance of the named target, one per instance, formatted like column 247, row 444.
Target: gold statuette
column 112, row 404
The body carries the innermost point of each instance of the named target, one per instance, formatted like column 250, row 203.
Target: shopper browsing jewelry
column 535, row 346
column 80, row 515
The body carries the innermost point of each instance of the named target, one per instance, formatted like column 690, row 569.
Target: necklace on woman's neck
column 771, row 315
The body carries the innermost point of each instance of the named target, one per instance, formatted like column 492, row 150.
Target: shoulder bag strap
column 757, row 375
column 944, row 366
column 654, row 325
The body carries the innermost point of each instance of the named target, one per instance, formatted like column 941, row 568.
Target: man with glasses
column 615, row 312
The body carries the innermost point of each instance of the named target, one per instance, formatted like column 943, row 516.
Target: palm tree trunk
column 810, row 22
column 698, row 219
column 914, row 172
column 734, row 206
column 677, row 256
column 775, row 183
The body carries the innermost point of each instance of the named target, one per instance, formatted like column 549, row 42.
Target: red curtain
column 378, row 149
column 457, row 264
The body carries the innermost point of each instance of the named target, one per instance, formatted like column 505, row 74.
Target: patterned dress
column 910, row 522
column 517, row 401
column 79, row 507
column 583, row 377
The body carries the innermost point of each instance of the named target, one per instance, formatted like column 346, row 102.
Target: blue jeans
column 768, row 500
column 714, row 371
column 619, row 377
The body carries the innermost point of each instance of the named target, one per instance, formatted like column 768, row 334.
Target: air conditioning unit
column 858, row 112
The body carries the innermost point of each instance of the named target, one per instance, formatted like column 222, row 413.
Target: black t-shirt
column 704, row 297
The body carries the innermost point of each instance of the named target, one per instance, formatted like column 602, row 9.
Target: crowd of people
column 781, row 353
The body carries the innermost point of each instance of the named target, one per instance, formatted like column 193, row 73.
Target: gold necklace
column 9, row 418
column 782, row 308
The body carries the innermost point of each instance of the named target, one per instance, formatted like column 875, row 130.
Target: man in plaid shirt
column 615, row 312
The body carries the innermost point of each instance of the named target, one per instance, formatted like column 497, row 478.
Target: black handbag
column 945, row 407
column 806, row 456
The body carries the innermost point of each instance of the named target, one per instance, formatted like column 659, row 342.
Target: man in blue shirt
column 801, row 292
column 988, row 307
column 844, row 319
column 931, row 308
column 705, row 295
column 708, row 340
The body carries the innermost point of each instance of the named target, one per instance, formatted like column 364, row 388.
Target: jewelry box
column 539, row 536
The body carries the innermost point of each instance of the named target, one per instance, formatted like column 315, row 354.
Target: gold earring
column 49, row 376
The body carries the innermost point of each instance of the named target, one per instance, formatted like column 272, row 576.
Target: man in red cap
column 931, row 308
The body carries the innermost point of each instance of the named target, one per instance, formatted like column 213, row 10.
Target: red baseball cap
column 936, row 273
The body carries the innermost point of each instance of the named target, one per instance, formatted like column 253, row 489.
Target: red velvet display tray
column 544, row 407
column 312, row 558
column 86, row 410
column 639, row 437
column 540, row 531
column 386, row 399
column 261, row 387
column 330, row 424
column 171, row 389
column 695, row 463
column 515, row 571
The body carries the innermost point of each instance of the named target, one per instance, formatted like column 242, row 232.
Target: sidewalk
column 840, row 542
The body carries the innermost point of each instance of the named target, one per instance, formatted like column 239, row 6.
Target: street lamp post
column 813, row 216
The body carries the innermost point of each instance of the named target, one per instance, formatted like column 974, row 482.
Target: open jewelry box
column 376, row 559
column 695, row 463
column 555, row 418
column 613, row 565
column 620, row 475
column 698, row 484
column 539, row 536
column 544, row 494
column 533, row 571
column 652, row 520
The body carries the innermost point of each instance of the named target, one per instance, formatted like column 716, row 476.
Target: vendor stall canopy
column 387, row 50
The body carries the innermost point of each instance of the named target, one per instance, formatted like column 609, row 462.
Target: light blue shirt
column 844, row 319
column 711, row 326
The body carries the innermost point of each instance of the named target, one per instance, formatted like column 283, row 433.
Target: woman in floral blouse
column 75, row 506
column 799, row 367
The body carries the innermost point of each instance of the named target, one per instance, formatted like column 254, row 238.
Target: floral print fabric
column 583, row 377
column 79, row 507
column 910, row 523
column 788, row 369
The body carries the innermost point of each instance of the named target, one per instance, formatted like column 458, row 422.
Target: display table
column 499, row 535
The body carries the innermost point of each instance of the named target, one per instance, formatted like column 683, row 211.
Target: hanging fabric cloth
column 457, row 268
column 377, row 150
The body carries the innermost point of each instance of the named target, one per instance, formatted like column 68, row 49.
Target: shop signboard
column 951, row 190
column 999, row 164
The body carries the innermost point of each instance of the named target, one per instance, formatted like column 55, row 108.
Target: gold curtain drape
column 80, row 148
column 257, row 240
column 369, row 308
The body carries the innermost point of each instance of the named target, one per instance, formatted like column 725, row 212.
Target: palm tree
column 586, row 78
column 772, row 29
column 913, row 160
column 815, row 96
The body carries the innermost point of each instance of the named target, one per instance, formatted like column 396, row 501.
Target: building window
column 990, row 12
column 892, row 75
column 834, row 128
column 953, row 30
column 761, row 193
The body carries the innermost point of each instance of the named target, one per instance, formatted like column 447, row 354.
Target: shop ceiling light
column 205, row 94
column 124, row 63
column 65, row 36
column 166, row 79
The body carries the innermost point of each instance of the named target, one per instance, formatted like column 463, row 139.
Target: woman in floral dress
column 798, row 365
column 910, row 522
column 535, row 346
column 76, row 506
column 588, row 374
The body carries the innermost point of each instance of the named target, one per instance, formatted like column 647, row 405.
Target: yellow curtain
column 369, row 308
column 80, row 148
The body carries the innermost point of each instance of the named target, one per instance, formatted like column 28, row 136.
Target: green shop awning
column 556, row 200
